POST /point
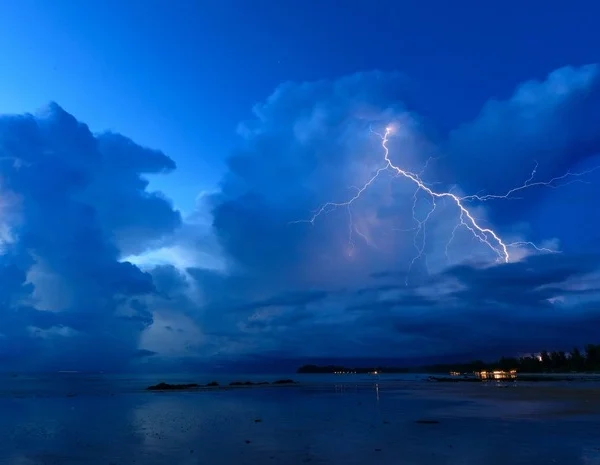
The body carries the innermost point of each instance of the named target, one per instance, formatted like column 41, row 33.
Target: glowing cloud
column 485, row 235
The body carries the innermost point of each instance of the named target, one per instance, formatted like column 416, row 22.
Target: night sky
column 189, row 185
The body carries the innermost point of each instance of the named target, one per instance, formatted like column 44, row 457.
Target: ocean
column 73, row 418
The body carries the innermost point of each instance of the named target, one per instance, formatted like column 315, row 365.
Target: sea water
column 92, row 419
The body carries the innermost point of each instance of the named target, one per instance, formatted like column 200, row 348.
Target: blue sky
column 249, row 116
column 181, row 77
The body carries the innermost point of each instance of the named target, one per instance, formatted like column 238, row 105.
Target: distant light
column 497, row 374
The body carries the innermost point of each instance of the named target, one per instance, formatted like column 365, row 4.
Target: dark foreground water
column 76, row 419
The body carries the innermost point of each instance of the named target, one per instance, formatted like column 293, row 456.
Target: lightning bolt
column 485, row 235
column 552, row 183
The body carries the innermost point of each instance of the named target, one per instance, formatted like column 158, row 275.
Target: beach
column 80, row 419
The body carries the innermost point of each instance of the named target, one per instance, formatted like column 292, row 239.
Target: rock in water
column 171, row 387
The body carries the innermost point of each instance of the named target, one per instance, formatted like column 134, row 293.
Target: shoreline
column 79, row 385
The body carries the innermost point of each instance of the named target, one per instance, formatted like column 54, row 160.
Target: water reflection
column 346, row 387
column 296, row 425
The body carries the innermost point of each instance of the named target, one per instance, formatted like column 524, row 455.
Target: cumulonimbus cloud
column 73, row 204
column 76, row 203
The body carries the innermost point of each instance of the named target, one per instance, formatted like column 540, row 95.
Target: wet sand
column 519, row 400
column 332, row 423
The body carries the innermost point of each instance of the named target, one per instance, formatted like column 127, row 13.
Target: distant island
column 575, row 361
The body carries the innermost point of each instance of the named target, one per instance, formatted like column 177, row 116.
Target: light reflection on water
column 341, row 422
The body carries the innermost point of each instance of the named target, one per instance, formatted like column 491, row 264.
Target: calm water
column 77, row 419
column 75, row 383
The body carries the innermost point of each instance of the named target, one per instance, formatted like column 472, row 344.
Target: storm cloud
column 310, row 143
column 98, row 272
column 73, row 203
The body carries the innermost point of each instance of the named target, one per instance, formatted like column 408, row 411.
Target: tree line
column 557, row 361
column 577, row 360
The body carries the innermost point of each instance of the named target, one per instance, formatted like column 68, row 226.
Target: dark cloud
column 244, row 277
column 74, row 204
column 480, row 312
column 310, row 143
column 555, row 122
column 569, row 213
column 142, row 353
column 530, row 282
column 295, row 299
column 388, row 274
column 307, row 145
column 408, row 300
